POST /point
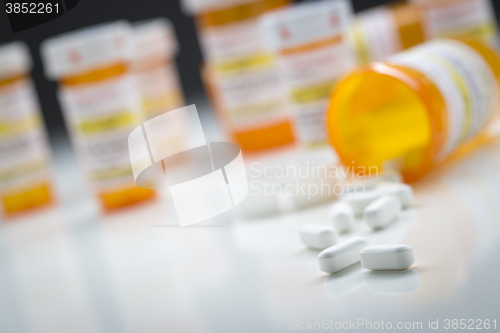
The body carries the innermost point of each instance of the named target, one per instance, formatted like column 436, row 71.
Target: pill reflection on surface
column 393, row 282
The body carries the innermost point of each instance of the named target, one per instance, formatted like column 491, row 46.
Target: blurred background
column 90, row 12
column 74, row 267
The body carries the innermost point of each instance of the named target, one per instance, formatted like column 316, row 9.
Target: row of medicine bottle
column 111, row 78
column 25, row 179
column 385, row 30
column 270, row 65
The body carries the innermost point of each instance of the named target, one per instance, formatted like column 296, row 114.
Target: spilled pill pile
column 378, row 205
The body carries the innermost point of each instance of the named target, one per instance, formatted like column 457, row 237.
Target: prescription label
column 160, row 89
column 465, row 81
column 466, row 18
column 375, row 35
column 100, row 116
column 243, row 75
column 309, row 76
column 24, row 152
column 161, row 93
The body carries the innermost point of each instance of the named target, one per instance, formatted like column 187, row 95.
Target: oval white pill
column 387, row 257
column 359, row 201
column 370, row 183
column 342, row 216
column 317, row 236
column 403, row 191
column 340, row 256
column 382, row 211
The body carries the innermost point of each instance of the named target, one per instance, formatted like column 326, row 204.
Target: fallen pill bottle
column 458, row 19
column 240, row 74
column 416, row 109
column 25, row 178
column 385, row 30
column 101, row 106
column 312, row 50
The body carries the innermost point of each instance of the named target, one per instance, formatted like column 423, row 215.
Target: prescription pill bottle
column 386, row 30
column 155, row 72
column 312, row 50
column 458, row 18
column 417, row 108
column 154, row 68
column 25, row 180
column 240, row 73
column 101, row 106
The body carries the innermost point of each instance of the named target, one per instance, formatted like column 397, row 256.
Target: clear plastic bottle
column 417, row 108
column 239, row 73
column 101, row 106
column 386, row 30
column 25, row 180
column 312, row 50
column 458, row 19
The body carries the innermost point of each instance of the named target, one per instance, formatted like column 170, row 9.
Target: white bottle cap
column 195, row 7
column 154, row 38
column 305, row 23
column 15, row 59
column 82, row 50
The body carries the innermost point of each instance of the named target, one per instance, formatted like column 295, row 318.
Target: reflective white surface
column 69, row 269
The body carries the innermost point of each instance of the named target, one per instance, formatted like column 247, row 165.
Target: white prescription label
column 310, row 76
column 100, row 116
column 161, row 92
column 24, row 153
column 375, row 35
column 244, row 75
column 465, row 82
column 473, row 18
column 160, row 89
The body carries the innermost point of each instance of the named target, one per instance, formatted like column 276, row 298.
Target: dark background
column 90, row 12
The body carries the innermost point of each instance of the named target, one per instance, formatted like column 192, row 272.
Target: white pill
column 382, row 211
column 359, row 201
column 342, row 216
column 403, row 191
column 371, row 183
column 391, row 176
column 317, row 236
column 340, row 256
column 387, row 257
